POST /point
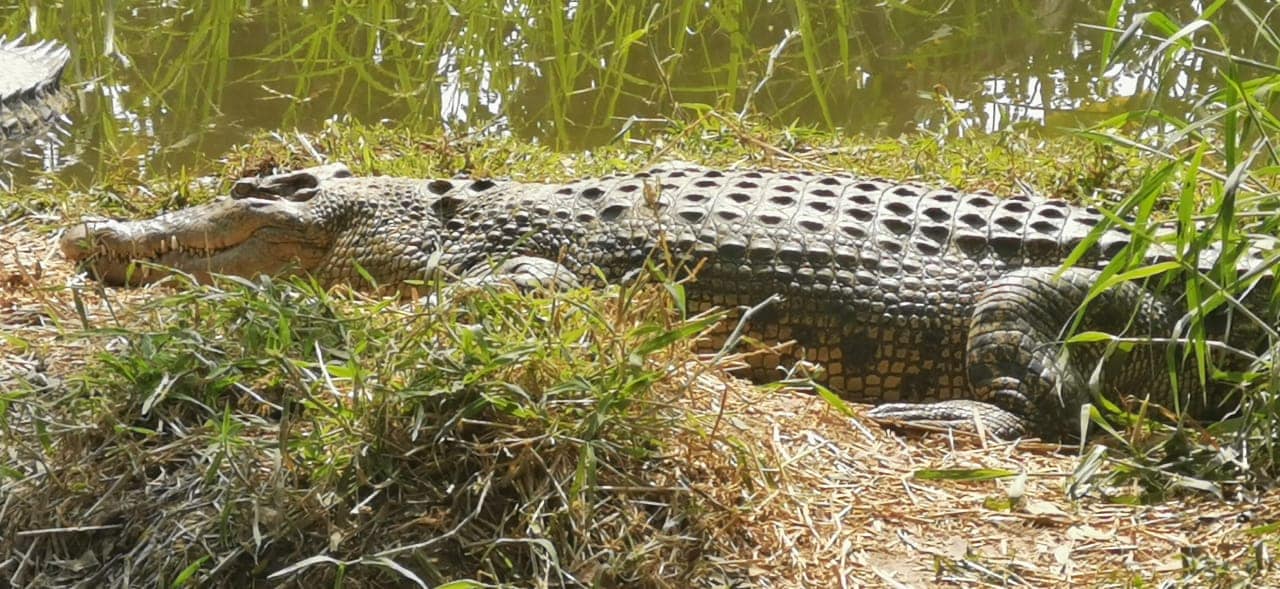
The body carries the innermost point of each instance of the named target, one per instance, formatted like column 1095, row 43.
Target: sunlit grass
column 285, row 411
column 1215, row 186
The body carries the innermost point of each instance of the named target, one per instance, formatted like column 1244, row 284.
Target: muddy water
column 170, row 85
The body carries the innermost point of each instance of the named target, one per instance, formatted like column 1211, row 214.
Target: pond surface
column 170, row 85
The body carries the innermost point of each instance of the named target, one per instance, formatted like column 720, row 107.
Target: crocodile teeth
column 173, row 242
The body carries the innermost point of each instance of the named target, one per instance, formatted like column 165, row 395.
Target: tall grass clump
column 274, row 433
column 1210, row 209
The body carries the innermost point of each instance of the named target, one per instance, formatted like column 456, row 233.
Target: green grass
column 240, row 428
column 1079, row 170
column 1217, row 181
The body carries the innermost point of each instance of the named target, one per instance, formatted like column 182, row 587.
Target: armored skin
column 937, row 305
column 31, row 95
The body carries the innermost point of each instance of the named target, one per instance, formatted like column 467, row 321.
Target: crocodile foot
column 961, row 415
column 522, row 272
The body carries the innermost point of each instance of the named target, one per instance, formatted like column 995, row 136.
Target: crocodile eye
column 244, row 188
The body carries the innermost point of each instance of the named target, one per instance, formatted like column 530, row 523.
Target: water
column 170, row 85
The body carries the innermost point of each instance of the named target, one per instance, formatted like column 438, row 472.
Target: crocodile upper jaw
column 242, row 237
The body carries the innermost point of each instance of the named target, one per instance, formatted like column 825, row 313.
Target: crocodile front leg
column 1021, row 376
column 522, row 272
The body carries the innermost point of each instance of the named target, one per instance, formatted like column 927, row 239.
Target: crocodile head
column 315, row 221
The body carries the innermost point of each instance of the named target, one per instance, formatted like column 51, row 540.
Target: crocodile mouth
column 245, row 237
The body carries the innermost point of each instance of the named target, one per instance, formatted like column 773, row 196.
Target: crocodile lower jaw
column 243, row 237
column 116, row 269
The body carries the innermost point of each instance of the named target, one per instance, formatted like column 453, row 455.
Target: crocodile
column 32, row 100
column 938, row 306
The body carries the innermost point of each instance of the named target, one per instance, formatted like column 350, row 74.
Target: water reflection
column 169, row 84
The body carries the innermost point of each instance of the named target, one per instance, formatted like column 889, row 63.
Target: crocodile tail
column 31, row 94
